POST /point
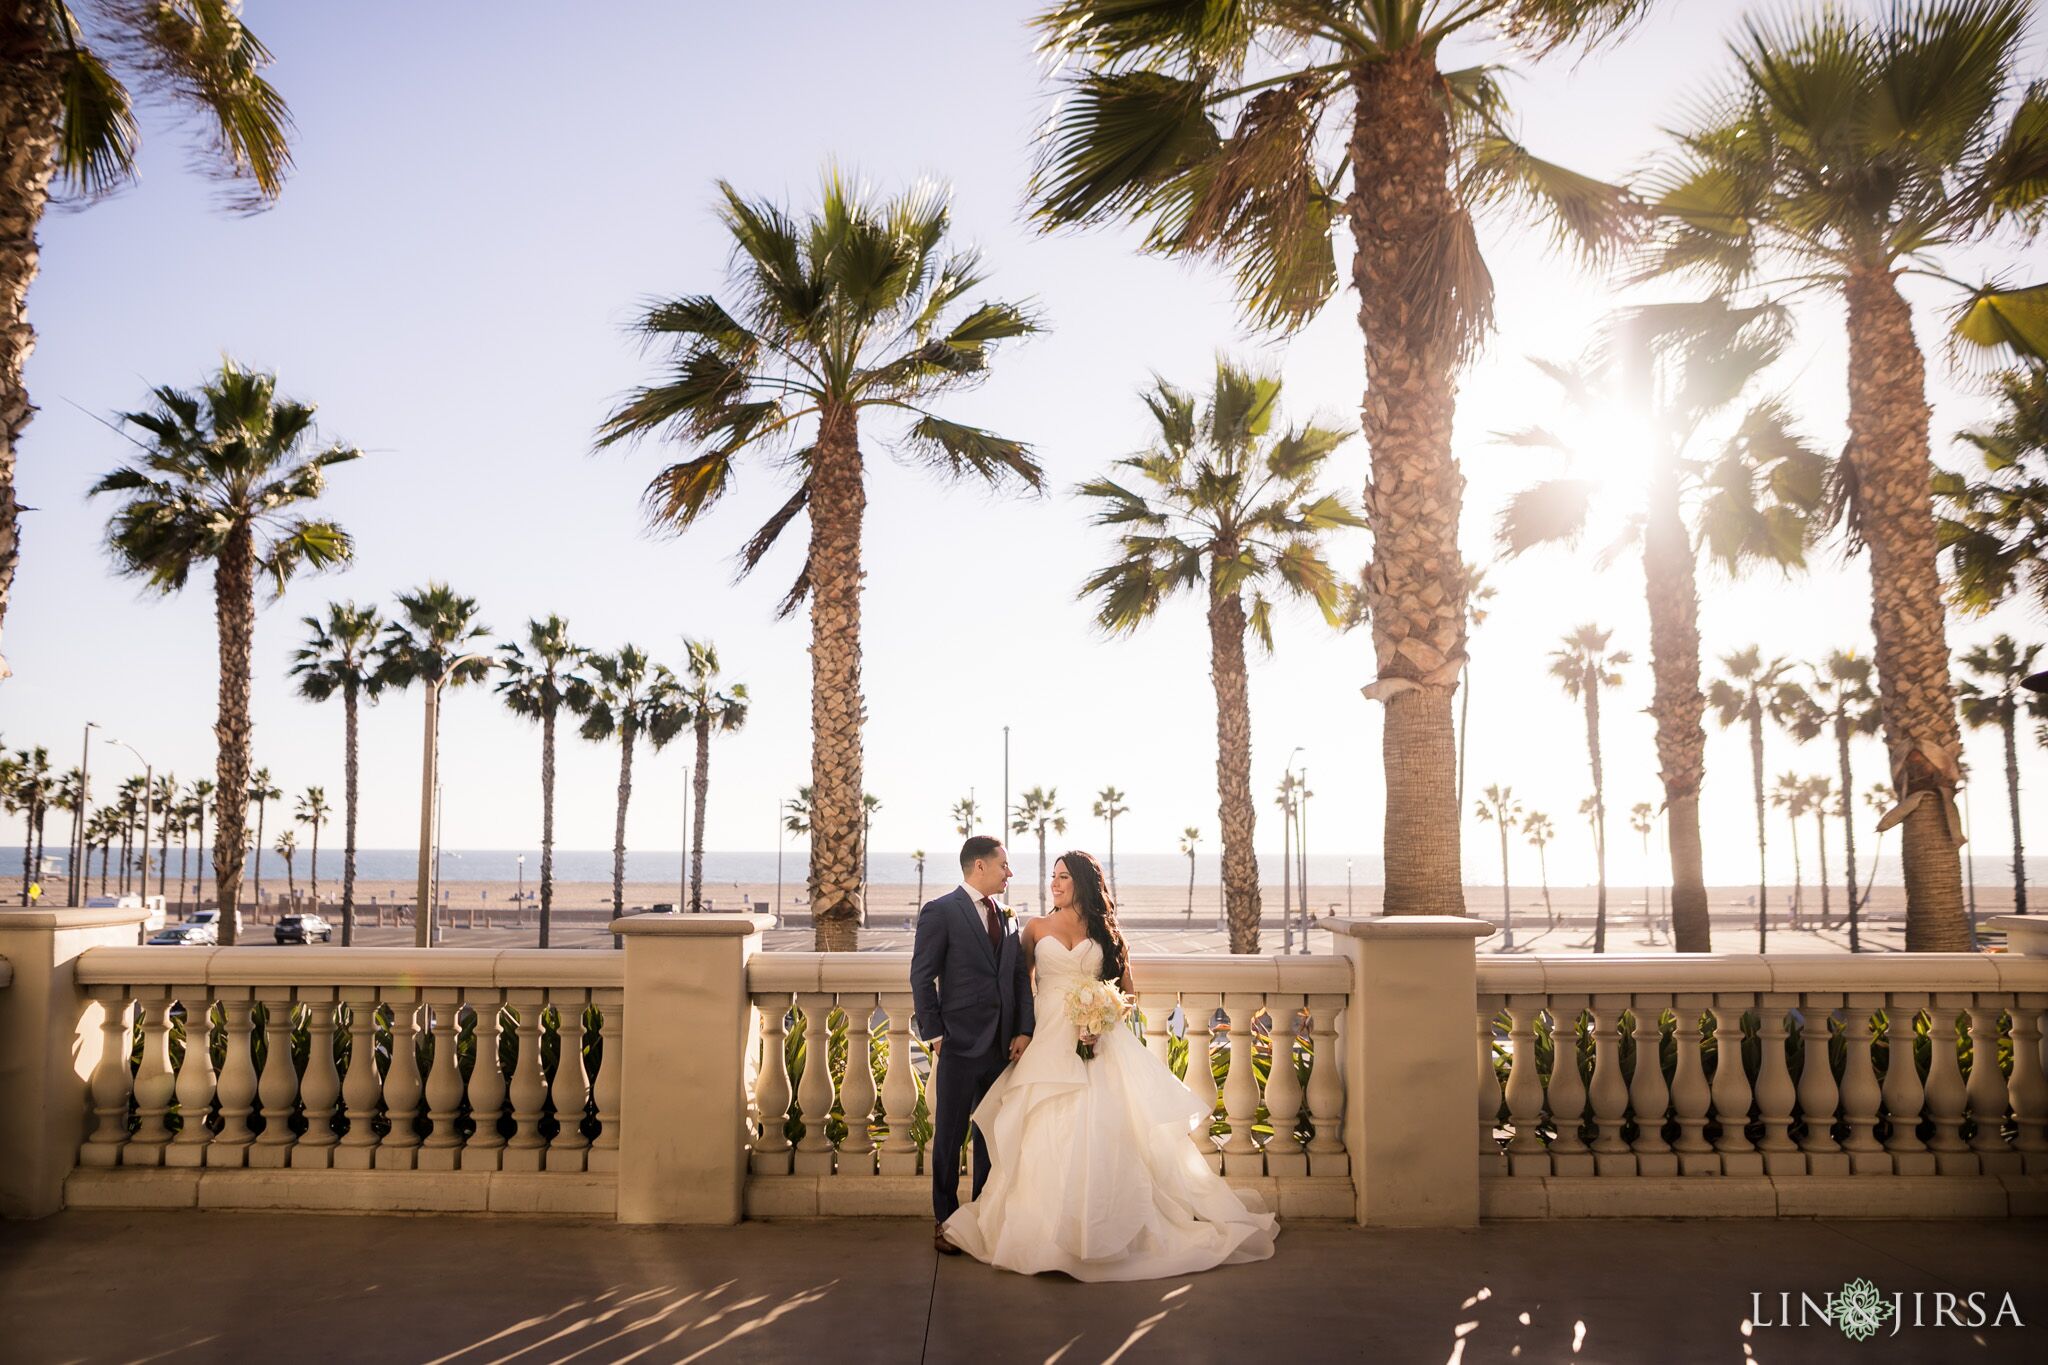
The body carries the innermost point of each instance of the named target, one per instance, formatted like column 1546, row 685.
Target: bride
column 1092, row 1170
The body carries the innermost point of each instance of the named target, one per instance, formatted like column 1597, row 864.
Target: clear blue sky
column 483, row 194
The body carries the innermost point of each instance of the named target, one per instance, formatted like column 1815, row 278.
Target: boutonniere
column 1009, row 915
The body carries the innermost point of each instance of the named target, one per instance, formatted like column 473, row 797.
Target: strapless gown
column 1092, row 1170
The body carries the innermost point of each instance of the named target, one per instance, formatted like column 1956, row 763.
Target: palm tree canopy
column 228, row 460
column 1223, row 497
column 340, row 655
column 1994, row 697
column 1995, row 527
column 435, row 639
column 1497, row 805
column 198, row 55
column 1753, row 688
column 626, row 690
column 1583, row 662
column 1854, row 144
column 797, row 812
column 312, row 807
column 1038, row 809
column 859, row 304
column 1109, row 804
column 262, row 787
column 1189, row 837
column 1225, row 126
column 539, row 674
column 1537, row 829
column 1793, row 793
column 725, row 710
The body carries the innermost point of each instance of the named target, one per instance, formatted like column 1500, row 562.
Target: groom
column 972, row 989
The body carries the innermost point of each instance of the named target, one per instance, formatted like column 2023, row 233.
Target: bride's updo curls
column 1097, row 910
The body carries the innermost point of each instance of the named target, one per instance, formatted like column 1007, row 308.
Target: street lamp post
column 778, row 864
column 78, row 813
column 148, row 815
column 1301, row 833
column 1287, row 830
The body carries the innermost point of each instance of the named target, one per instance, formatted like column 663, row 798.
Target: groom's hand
column 1018, row 1044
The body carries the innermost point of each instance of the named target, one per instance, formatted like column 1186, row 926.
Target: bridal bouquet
column 1096, row 1007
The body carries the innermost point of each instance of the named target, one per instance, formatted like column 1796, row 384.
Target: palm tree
column 536, row 685
column 128, row 803
column 917, row 857
column 437, row 642
column 1538, row 830
column 1037, row 811
column 1819, row 792
column 288, row 845
column 201, row 794
column 1109, row 804
column 709, row 710
column 1794, row 797
column 797, row 812
column 1676, row 367
column 68, row 118
column 1582, row 666
column 262, row 791
column 1841, row 689
column 339, row 657
column 1497, row 806
column 167, row 797
column 1753, row 690
column 1994, row 525
column 313, row 812
column 70, row 795
column 1993, row 697
column 1189, row 837
column 186, row 812
column 225, row 471
column 624, row 696
column 963, row 816
column 1642, row 818
column 28, row 794
column 1224, row 505
column 1238, row 134
column 1852, row 150
column 855, row 308
column 1288, row 799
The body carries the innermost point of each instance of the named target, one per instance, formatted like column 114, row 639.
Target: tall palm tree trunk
column 1234, row 810
column 1599, row 808
column 1191, row 888
column 1401, row 210
column 700, row 785
column 1820, row 837
column 1043, row 900
column 1892, row 476
column 349, row 773
column 1543, row 871
column 1763, row 866
column 1848, row 813
column 1798, row 872
column 127, row 853
column 106, row 856
column 256, row 871
column 2012, row 796
column 184, row 866
column 627, row 733
column 235, row 612
column 314, row 892
column 199, row 865
column 30, row 106
column 1112, row 857
column 1507, row 903
column 838, row 501
column 1677, row 705
column 430, row 762
column 163, row 861
column 547, row 821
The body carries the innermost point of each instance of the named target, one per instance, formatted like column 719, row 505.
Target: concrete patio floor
column 191, row 1287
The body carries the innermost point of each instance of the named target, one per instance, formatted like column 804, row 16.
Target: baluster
column 320, row 1087
column 1690, row 1097
column 1731, row 1092
column 361, row 1087
column 1200, row 1080
column 196, row 1080
column 1283, row 1089
column 572, row 1083
column 1904, row 1095
column 857, row 1089
column 2028, row 1087
column 1492, row 1161
column 1566, row 1099
column 1326, row 1152
column 1649, row 1096
column 236, row 1087
column 1608, row 1092
column 1986, row 1091
column 1241, row 1155
column 441, row 1013
column 486, row 1086
column 609, row 1086
column 814, row 1089
column 1818, row 1094
column 1952, row 1155
column 529, row 1085
column 279, row 1087
column 772, row 1091
column 1526, row 1153
column 111, row 1079
column 155, row 1082
column 899, row 1091
column 1158, row 1014
column 1775, row 1094
column 402, row 1085
column 1860, row 1093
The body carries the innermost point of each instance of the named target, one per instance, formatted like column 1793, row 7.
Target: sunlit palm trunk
column 838, row 500
column 1191, row 888
column 1763, row 866
column 430, row 771
column 1401, row 210
column 1676, row 704
column 700, row 785
column 30, row 104
column 1507, row 901
column 2012, row 796
column 261, row 807
column 163, row 861
column 235, row 613
column 1043, row 902
column 127, row 854
column 627, row 732
column 547, row 821
column 1543, row 872
column 1820, row 837
column 350, row 772
column 184, row 867
column 1892, row 474
column 1848, row 814
column 1234, row 809
column 1798, row 872
column 1599, row 808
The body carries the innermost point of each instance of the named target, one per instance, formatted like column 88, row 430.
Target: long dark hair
column 1097, row 910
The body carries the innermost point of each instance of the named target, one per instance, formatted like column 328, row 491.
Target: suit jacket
column 966, row 991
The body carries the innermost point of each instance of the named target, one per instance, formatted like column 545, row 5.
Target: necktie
column 995, row 926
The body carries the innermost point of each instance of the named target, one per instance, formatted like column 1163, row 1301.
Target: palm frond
column 963, row 450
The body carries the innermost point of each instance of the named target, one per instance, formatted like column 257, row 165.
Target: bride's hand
column 1091, row 1038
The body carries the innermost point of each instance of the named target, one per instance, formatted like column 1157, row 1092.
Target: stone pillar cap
column 684, row 925
column 1409, row 926
column 70, row 916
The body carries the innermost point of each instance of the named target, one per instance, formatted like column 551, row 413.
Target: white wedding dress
column 1092, row 1168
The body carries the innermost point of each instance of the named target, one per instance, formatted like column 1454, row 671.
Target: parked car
column 186, row 934
column 304, row 929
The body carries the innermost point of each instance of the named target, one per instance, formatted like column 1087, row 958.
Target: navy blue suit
column 976, row 997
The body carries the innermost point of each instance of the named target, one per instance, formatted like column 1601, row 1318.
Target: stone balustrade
column 1788, row 1070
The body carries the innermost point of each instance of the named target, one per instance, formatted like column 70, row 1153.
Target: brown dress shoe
column 939, row 1242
